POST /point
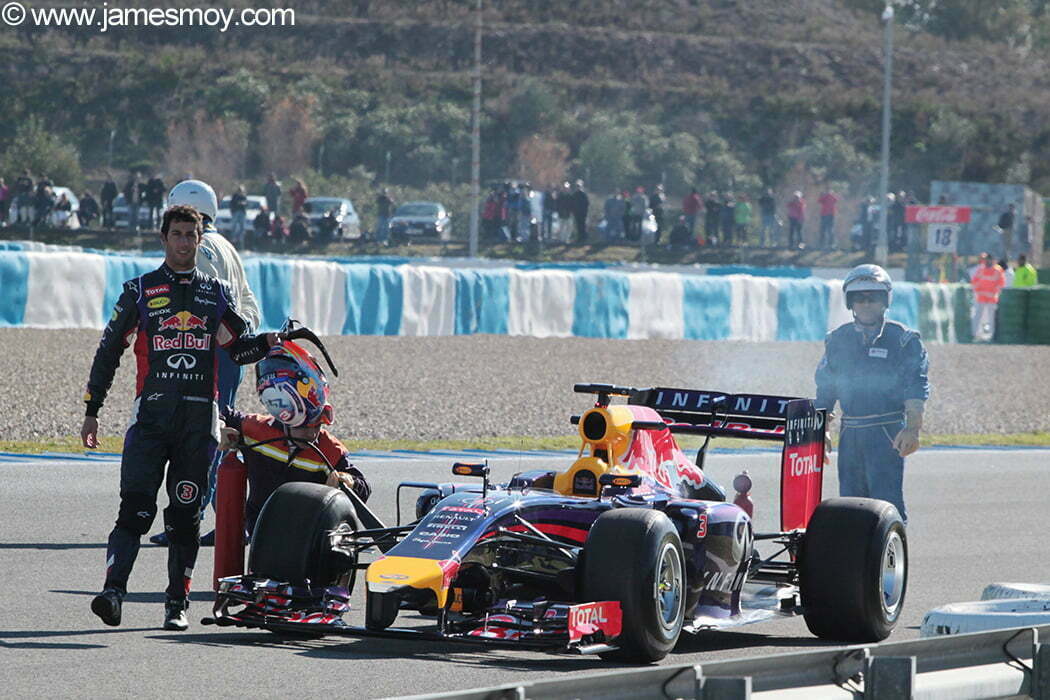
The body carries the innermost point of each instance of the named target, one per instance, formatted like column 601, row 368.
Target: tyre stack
column 1010, row 317
column 962, row 304
column 1038, row 331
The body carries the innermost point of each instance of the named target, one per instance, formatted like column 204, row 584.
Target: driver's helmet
column 196, row 194
column 867, row 278
column 292, row 386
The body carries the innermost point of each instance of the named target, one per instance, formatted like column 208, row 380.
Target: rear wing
column 795, row 422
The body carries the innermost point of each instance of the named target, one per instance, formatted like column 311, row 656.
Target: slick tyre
column 635, row 556
column 853, row 570
column 290, row 542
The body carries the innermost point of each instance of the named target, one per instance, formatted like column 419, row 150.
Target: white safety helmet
column 867, row 278
column 196, row 194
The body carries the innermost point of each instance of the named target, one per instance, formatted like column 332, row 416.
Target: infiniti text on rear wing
column 796, row 422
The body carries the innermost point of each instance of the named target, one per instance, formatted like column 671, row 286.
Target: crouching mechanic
column 179, row 318
column 877, row 370
column 290, row 444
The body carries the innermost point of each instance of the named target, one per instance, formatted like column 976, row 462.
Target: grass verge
column 71, row 444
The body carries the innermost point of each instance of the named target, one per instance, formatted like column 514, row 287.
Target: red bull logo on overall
column 182, row 341
column 183, row 321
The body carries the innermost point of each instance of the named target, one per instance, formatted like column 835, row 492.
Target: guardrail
column 1002, row 663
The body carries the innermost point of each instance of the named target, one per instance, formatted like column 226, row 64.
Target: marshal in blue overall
column 877, row 371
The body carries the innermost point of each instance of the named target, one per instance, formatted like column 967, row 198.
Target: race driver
column 291, row 443
column 216, row 257
column 877, row 370
column 178, row 316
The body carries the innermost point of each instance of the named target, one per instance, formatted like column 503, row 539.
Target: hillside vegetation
column 713, row 93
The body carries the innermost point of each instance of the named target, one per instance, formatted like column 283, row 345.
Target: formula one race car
column 616, row 555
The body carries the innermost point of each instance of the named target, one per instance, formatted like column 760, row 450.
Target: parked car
column 120, row 214
column 349, row 223
column 224, row 220
column 420, row 219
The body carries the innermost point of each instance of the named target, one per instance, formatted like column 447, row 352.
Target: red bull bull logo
column 183, row 321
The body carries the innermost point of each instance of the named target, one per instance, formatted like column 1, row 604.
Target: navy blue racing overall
column 872, row 379
column 178, row 319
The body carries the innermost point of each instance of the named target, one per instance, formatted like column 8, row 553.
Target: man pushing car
column 179, row 318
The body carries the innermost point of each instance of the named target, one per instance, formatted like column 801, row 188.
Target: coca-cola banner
column 937, row 215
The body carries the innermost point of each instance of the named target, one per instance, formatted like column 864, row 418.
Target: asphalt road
column 977, row 516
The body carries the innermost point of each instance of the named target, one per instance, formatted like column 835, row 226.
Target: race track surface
column 977, row 516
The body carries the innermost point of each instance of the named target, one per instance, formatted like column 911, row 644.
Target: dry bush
column 287, row 135
column 213, row 150
column 542, row 160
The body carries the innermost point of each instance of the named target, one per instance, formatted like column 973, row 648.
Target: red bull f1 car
column 616, row 555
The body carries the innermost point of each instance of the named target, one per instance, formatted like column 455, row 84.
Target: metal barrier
column 980, row 665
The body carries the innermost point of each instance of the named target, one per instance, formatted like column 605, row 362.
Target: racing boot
column 175, row 618
column 107, row 606
column 160, row 539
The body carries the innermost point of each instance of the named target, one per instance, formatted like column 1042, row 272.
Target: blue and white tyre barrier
column 984, row 615
column 1003, row 591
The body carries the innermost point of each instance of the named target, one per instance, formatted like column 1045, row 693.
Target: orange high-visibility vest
column 987, row 281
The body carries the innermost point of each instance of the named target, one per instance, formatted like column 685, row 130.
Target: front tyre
column 853, row 570
column 635, row 557
column 291, row 538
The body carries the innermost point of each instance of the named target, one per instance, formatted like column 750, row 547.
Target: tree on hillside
column 830, row 156
column 42, row 152
column 543, row 161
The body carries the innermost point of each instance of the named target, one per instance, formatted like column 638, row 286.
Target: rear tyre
column 853, row 570
column 635, row 556
column 291, row 542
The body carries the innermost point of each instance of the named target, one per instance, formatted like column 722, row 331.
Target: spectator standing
column 384, row 210
column 1006, row 222
column 615, row 207
column 898, row 238
column 108, row 194
column 712, row 216
column 988, row 280
column 133, row 198
column 24, row 198
column 327, row 226
column 742, row 219
column 767, row 207
column 155, row 193
column 829, row 204
column 564, row 209
column 272, row 192
column 88, row 209
column 299, row 195
column 727, row 214
column 796, row 209
column 550, row 203
column 489, row 216
column 691, row 206
column 5, row 202
column 535, row 212
column 238, row 215
column 639, row 205
column 580, row 204
column 1025, row 275
column 656, row 204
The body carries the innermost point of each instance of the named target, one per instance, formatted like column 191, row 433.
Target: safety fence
column 998, row 664
column 76, row 289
